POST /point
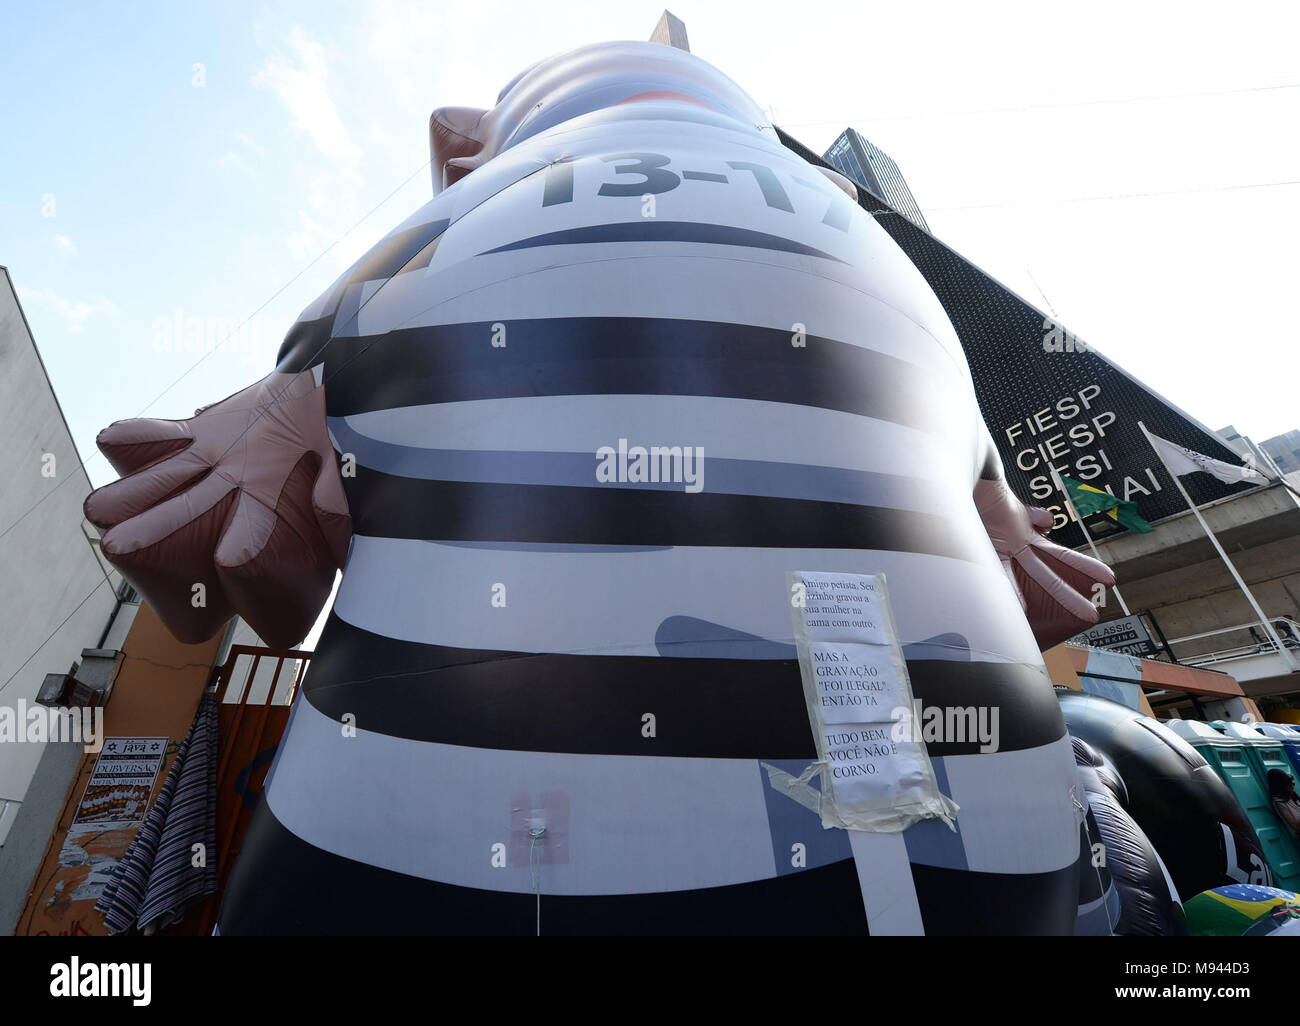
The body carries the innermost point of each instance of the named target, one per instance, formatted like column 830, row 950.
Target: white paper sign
column 857, row 683
column 873, row 776
column 842, row 607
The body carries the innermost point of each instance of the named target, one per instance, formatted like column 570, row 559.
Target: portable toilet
column 1290, row 738
column 1263, row 754
column 1227, row 756
column 1230, row 756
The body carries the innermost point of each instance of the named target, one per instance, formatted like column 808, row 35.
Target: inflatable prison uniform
column 545, row 675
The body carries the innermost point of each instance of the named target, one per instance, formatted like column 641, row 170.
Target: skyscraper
column 1285, row 449
column 874, row 170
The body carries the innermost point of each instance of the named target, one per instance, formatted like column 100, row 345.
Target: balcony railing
column 255, row 687
column 1232, row 644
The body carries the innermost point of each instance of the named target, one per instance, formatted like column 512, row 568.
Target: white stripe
column 1169, row 880
column 612, row 600
column 744, row 429
column 1232, row 866
column 888, row 891
column 1016, row 812
column 636, row 824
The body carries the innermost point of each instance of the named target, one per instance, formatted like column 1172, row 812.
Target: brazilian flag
column 1088, row 500
column 1232, row 910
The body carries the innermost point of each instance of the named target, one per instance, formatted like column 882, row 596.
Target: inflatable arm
column 239, row 509
column 1056, row 585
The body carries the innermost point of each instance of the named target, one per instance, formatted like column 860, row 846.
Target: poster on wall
column 122, row 781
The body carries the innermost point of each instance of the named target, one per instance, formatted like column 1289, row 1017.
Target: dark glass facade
column 873, row 169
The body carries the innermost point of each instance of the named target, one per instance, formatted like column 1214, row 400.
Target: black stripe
column 387, row 506
column 966, row 903
column 304, row 345
column 651, row 230
column 283, row 885
column 592, row 704
column 393, row 253
column 410, row 250
column 625, row 356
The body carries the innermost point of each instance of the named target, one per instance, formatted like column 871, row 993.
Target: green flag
column 1088, row 500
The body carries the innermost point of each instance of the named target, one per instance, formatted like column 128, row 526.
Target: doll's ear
column 455, row 139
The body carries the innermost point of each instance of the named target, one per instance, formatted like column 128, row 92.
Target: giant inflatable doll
column 551, row 674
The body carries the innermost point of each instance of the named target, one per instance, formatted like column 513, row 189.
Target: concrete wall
column 50, row 571
column 1175, row 572
column 37, row 815
column 32, row 826
column 1202, row 595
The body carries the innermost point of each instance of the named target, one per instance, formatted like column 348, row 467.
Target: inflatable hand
column 1056, row 585
column 239, row 509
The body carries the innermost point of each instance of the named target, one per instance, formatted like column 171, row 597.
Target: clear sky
column 169, row 168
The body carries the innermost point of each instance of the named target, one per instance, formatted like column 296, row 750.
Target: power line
column 1121, row 196
column 921, row 115
column 82, row 463
column 261, row 411
column 275, row 295
column 13, row 676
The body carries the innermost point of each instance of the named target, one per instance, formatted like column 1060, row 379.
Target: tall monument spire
column 671, row 31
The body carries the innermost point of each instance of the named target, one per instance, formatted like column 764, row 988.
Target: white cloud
column 246, row 141
column 75, row 312
column 309, row 239
column 476, row 57
column 301, row 84
column 400, row 41
column 66, row 244
column 245, row 150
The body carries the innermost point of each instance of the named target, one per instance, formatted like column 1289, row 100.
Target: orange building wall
column 156, row 693
column 1064, row 664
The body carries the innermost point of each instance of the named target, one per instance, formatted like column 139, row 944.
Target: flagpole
column 1267, row 624
column 1056, row 478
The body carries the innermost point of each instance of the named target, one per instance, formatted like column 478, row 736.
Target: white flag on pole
column 1181, row 460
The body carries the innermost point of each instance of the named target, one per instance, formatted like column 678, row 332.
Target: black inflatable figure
column 1147, row 907
column 1187, row 813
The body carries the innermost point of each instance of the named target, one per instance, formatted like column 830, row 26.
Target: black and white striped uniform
column 752, row 311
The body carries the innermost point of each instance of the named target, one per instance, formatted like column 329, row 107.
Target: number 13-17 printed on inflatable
column 546, row 673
